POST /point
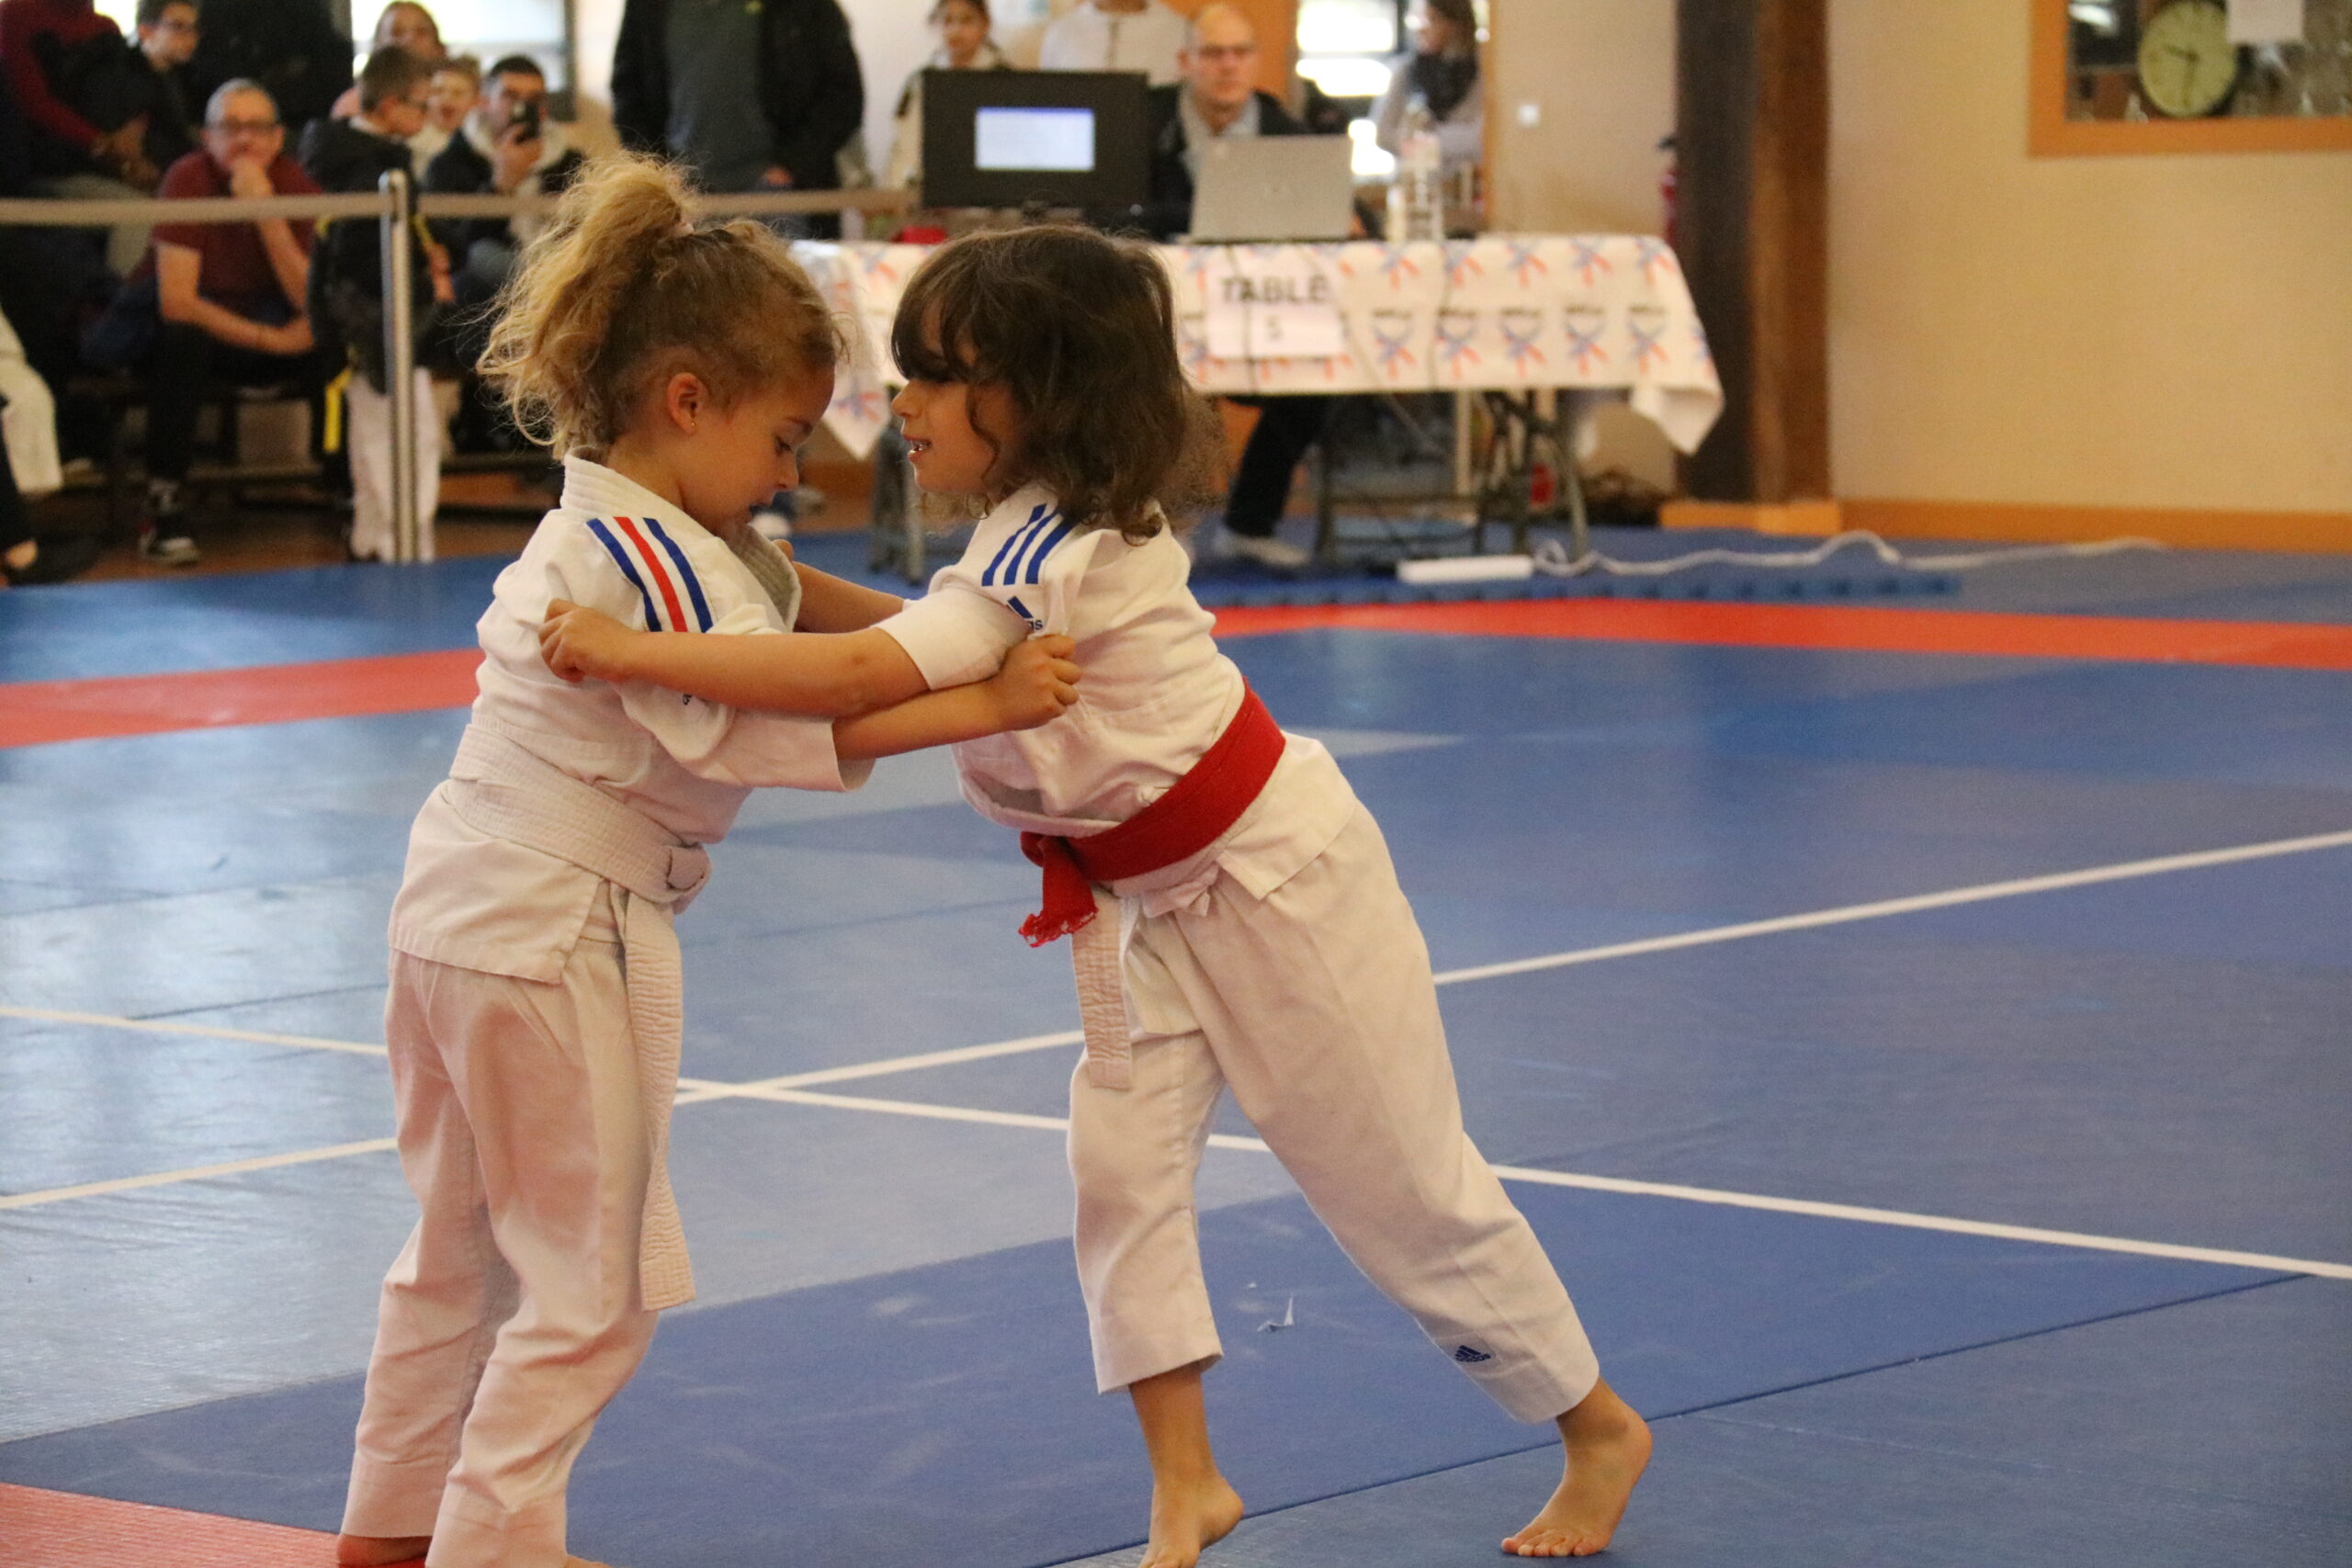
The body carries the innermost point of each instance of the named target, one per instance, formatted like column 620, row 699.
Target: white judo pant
column 512, row 1316
column 1317, row 1006
column 367, row 437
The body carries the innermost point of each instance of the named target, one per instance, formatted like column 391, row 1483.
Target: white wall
column 1599, row 76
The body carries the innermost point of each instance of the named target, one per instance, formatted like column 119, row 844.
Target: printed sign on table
column 1273, row 302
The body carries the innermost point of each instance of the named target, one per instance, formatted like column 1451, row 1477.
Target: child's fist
column 583, row 644
column 1037, row 682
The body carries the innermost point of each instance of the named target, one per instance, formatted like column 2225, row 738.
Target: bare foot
column 1607, row 1446
column 1186, row 1517
column 379, row 1550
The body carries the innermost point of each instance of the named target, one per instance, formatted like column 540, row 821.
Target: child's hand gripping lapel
column 581, row 644
column 1037, row 682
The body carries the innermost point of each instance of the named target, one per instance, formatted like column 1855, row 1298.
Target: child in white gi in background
column 534, row 1014
column 1237, row 922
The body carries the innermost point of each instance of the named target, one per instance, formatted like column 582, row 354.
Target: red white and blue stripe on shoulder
column 658, row 569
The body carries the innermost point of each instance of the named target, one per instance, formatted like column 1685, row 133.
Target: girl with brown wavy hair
column 533, row 1018
column 1235, row 917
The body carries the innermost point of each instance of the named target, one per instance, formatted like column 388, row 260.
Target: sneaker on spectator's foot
column 1267, row 550
column 165, row 541
column 163, row 531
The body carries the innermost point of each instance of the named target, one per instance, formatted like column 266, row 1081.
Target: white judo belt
column 499, row 787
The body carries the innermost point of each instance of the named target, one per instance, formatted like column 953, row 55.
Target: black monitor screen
column 1011, row 138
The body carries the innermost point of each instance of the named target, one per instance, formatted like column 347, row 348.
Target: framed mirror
column 2139, row 76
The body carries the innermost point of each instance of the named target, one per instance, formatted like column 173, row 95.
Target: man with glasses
column 213, row 301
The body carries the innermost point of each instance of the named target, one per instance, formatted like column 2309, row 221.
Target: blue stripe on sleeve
column 628, row 570
column 694, row 583
column 1037, row 557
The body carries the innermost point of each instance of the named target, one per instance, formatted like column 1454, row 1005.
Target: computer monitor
column 1048, row 137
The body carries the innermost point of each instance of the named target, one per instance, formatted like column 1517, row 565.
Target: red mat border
column 40, row 1528
column 34, row 713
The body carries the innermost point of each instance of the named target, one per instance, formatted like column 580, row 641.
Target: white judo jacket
column 667, row 773
column 1157, row 694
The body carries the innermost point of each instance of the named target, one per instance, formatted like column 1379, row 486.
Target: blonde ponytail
column 622, row 291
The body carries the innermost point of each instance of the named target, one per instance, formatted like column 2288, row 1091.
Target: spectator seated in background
column 347, row 297
column 1441, row 74
column 1116, row 35
column 139, row 91
column 508, row 146
column 1217, row 99
column 404, row 25
column 454, row 90
column 168, row 33
column 213, row 302
column 963, row 45
column 54, row 54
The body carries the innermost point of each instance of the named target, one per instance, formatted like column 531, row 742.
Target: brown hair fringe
column 1079, row 329
column 620, row 292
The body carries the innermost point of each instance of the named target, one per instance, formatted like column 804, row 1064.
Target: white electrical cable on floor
column 1552, row 559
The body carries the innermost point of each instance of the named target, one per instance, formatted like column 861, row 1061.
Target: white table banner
column 1606, row 312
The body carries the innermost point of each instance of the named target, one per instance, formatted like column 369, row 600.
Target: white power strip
column 1467, row 568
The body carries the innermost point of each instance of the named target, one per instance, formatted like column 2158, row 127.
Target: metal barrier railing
column 394, row 204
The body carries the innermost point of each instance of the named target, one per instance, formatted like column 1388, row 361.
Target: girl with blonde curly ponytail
column 532, row 1021
column 622, row 287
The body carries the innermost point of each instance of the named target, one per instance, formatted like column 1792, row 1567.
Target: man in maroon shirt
column 214, row 301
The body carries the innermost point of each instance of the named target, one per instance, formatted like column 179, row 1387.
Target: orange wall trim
column 2317, row 533
column 1814, row 519
column 2327, row 533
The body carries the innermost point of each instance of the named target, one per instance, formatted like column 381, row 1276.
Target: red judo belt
column 1192, row 816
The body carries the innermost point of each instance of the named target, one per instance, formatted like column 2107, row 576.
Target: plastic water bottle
column 1416, row 203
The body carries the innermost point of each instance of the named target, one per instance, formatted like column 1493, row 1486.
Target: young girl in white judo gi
column 534, row 1013
column 1237, row 922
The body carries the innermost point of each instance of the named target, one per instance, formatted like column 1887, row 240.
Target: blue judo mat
column 945, row 1414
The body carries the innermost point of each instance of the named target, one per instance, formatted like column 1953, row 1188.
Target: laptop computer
column 1274, row 189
